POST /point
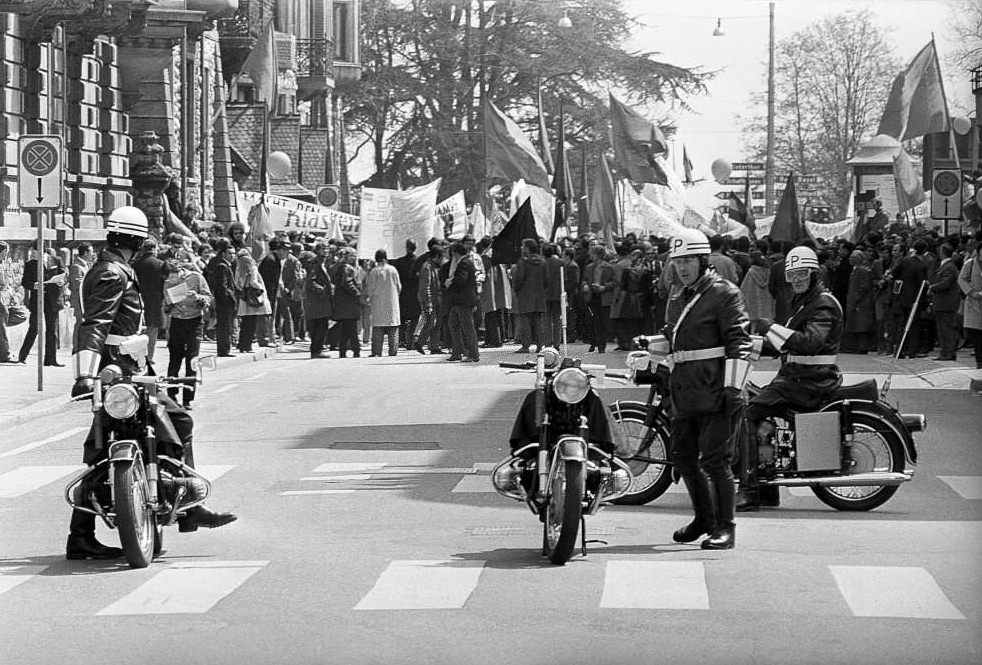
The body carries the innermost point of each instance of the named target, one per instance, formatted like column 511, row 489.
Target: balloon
column 721, row 169
column 278, row 164
column 961, row 125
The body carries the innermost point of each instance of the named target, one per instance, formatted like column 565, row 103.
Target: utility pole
column 769, row 157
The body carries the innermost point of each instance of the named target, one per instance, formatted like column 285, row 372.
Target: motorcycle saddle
column 866, row 390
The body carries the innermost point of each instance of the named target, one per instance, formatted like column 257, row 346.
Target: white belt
column 698, row 354
column 811, row 360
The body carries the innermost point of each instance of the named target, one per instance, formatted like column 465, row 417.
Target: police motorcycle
column 853, row 452
column 144, row 482
column 562, row 464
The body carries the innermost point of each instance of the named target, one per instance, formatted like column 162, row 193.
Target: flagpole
column 944, row 97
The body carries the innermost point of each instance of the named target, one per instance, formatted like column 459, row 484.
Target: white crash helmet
column 800, row 257
column 688, row 242
column 128, row 220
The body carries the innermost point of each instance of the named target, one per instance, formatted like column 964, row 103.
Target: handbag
column 16, row 315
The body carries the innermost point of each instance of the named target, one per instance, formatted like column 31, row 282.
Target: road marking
column 969, row 487
column 214, row 471
column 37, row 444
column 28, row 478
column 893, row 591
column 224, row 389
column 472, row 484
column 331, row 467
column 11, row 576
column 189, row 588
column 423, row 585
column 341, row 478
column 800, row 491
column 299, row 492
column 673, row 585
column 485, row 466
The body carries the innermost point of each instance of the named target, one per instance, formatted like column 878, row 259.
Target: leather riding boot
column 202, row 516
column 770, row 495
column 81, row 540
column 702, row 504
column 747, row 500
column 724, row 535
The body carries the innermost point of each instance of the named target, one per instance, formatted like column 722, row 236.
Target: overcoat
column 970, row 282
column 383, row 287
column 347, row 294
column 318, row 291
column 860, row 312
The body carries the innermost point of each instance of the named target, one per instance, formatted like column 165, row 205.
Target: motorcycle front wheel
column 875, row 447
column 134, row 518
column 650, row 480
column 564, row 508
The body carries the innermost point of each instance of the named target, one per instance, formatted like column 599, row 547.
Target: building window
column 342, row 49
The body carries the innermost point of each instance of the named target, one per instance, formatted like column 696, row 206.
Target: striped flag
column 916, row 105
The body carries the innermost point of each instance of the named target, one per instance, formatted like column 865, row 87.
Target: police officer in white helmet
column 807, row 343
column 710, row 344
column 111, row 313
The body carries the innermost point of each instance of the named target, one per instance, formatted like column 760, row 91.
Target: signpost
column 946, row 195
column 39, row 176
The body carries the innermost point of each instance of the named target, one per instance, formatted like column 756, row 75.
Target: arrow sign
column 39, row 171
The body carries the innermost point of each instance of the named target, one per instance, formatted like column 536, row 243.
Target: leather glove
column 83, row 386
column 734, row 401
column 640, row 342
column 762, row 325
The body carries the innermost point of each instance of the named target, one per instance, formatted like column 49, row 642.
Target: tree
column 429, row 65
column 831, row 82
column 965, row 50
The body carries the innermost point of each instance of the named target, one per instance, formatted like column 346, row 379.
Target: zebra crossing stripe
column 214, row 471
column 906, row 592
column 474, row 484
column 28, row 478
column 187, row 588
column 423, row 585
column 664, row 585
column 969, row 487
column 37, row 444
column 11, row 576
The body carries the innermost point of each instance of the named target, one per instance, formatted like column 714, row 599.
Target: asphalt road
column 368, row 533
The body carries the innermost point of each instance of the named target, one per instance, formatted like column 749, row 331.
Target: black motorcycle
column 853, row 452
column 563, row 467
column 144, row 483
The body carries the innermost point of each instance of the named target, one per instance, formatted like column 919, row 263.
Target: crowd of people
column 911, row 286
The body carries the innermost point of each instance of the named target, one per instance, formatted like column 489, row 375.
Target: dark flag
column 507, row 245
column 603, row 200
column 787, row 222
column 510, row 154
column 686, row 164
column 742, row 211
column 562, row 181
column 916, row 105
column 636, row 142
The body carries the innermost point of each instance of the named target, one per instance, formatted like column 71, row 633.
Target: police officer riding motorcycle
column 808, row 342
column 108, row 335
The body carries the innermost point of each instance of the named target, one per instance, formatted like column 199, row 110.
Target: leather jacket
column 111, row 305
column 717, row 319
column 813, row 331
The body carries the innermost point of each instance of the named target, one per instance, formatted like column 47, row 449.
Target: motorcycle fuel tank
column 818, row 441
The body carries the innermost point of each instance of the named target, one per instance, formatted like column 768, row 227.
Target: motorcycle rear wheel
column 650, row 480
column 875, row 447
column 135, row 520
column 564, row 508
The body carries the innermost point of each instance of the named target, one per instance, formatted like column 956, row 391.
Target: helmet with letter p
column 688, row 242
column 800, row 265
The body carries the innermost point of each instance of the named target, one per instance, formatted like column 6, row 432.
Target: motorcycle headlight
column 121, row 401
column 571, row 385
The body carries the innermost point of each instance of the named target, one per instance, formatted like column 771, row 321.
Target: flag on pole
column 636, row 143
column 748, row 200
column 507, row 245
column 544, row 135
column 686, row 164
column 787, row 222
column 583, row 202
column 916, row 105
column 562, row 181
column 260, row 65
column 603, row 204
column 909, row 190
column 510, row 154
column 477, row 223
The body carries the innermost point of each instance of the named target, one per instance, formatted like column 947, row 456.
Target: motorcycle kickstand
column 583, row 540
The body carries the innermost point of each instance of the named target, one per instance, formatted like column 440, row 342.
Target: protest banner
column 452, row 212
column 389, row 217
column 831, row 231
column 290, row 214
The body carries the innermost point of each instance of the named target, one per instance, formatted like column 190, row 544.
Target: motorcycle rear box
column 817, row 438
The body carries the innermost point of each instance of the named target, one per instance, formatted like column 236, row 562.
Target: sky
column 682, row 32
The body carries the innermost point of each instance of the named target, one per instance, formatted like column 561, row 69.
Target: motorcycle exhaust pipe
column 856, row 480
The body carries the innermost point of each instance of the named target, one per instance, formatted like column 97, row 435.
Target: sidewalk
column 20, row 400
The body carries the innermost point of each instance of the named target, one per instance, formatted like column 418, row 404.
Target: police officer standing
column 112, row 309
column 808, row 344
column 710, row 344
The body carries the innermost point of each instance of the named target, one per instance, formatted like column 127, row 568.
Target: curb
column 54, row 405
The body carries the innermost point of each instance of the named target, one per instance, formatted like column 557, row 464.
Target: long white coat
column 970, row 282
column 382, row 287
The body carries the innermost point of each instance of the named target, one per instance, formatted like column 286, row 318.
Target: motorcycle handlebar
column 525, row 365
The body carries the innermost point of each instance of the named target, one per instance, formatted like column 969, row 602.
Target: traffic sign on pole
column 39, row 172
column 946, row 194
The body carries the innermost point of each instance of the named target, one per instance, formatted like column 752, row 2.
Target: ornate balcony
column 315, row 71
column 240, row 33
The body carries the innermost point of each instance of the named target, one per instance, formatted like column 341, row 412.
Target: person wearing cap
column 709, row 339
column 112, row 309
column 807, row 343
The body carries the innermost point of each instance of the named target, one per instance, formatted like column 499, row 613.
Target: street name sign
column 39, row 171
column 946, row 194
column 748, row 166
